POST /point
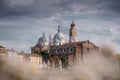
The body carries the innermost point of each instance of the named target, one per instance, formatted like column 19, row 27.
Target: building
column 2, row 49
column 20, row 57
column 69, row 53
column 34, row 59
column 30, row 58
column 2, row 52
column 12, row 54
column 118, row 56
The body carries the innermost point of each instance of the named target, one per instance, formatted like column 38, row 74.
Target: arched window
column 88, row 49
column 64, row 50
column 71, row 50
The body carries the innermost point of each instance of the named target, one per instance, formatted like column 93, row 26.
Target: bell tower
column 72, row 33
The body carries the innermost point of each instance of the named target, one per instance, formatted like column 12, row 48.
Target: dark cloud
column 47, row 8
column 114, row 5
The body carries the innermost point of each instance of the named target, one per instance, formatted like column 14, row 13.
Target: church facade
column 59, row 51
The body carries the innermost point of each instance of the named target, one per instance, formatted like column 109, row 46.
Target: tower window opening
column 88, row 49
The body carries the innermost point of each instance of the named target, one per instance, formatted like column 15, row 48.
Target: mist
column 102, row 65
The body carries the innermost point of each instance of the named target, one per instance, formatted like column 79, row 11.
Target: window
column 88, row 49
column 64, row 50
column 57, row 50
column 71, row 49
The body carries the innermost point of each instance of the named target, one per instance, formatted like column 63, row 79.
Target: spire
column 50, row 39
column 43, row 34
column 58, row 28
column 44, row 37
column 50, row 36
column 72, row 33
column 72, row 24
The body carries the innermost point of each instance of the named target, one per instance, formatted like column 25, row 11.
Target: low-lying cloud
column 101, row 65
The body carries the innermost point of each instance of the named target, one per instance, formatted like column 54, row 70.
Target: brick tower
column 72, row 33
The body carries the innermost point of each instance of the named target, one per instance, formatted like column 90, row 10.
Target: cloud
column 23, row 21
column 47, row 8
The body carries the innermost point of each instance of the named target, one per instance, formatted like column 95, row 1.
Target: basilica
column 57, row 49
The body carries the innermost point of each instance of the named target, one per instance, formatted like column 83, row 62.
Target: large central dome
column 59, row 38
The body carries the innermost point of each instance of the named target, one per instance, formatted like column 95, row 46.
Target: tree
column 36, row 52
column 45, row 56
column 64, row 62
column 118, row 56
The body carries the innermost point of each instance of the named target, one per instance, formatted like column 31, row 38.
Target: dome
column 43, row 39
column 59, row 38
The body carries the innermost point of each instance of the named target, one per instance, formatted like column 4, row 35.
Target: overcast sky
column 22, row 22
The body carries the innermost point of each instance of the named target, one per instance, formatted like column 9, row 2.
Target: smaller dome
column 43, row 39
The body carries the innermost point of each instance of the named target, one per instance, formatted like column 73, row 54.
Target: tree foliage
column 64, row 62
column 45, row 55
